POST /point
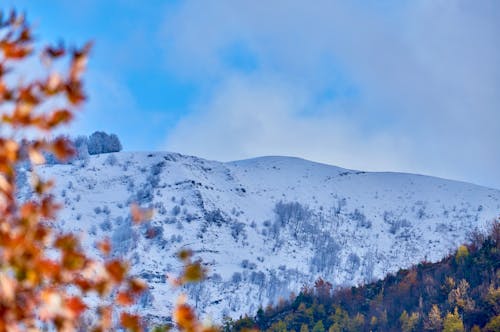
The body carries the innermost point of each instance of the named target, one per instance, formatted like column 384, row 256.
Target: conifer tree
column 434, row 320
column 408, row 322
column 318, row 327
column 461, row 254
column 493, row 325
column 453, row 322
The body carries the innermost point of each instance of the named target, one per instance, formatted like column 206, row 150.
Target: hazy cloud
column 396, row 85
column 253, row 116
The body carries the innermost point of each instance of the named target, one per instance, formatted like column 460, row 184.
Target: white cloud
column 255, row 116
column 426, row 73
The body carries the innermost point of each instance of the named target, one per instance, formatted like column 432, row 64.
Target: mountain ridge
column 264, row 226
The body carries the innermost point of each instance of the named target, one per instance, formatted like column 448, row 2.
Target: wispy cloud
column 380, row 85
column 254, row 116
column 395, row 85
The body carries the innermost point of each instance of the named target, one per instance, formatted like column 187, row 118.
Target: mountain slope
column 264, row 227
column 459, row 293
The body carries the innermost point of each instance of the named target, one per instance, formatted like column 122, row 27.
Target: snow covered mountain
column 264, row 227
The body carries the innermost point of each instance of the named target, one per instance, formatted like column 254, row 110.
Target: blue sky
column 374, row 85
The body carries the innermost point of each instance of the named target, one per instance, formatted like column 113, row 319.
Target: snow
column 263, row 227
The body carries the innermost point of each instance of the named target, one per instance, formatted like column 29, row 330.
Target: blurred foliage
column 45, row 275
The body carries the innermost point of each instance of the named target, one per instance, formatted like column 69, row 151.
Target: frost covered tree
column 81, row 145
column 101, row 142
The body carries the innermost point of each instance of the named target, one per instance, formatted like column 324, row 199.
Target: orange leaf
column 130, row 322
column 25, row 35
column 26, row 95
column 48, row 208
column 61, row 147
column 14, row 51
column 73, row 260
column 139, row 215
column 137, row 286
column 117, row 270
column 106, row 313
column 49, row 268
column 59, row 117
column 84, row 284
column 66, row 242
column 124, row 298
column 5, row 185
column 185, row 318
column 74, row 93
column 76, row 306
column 104, row 246
column 79, row 61
column 5, row 92
column 53, row 85
column 9, row 149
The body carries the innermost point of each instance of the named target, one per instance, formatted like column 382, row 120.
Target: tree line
column 459, row 293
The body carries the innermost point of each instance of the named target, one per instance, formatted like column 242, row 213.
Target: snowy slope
column 264, row 227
